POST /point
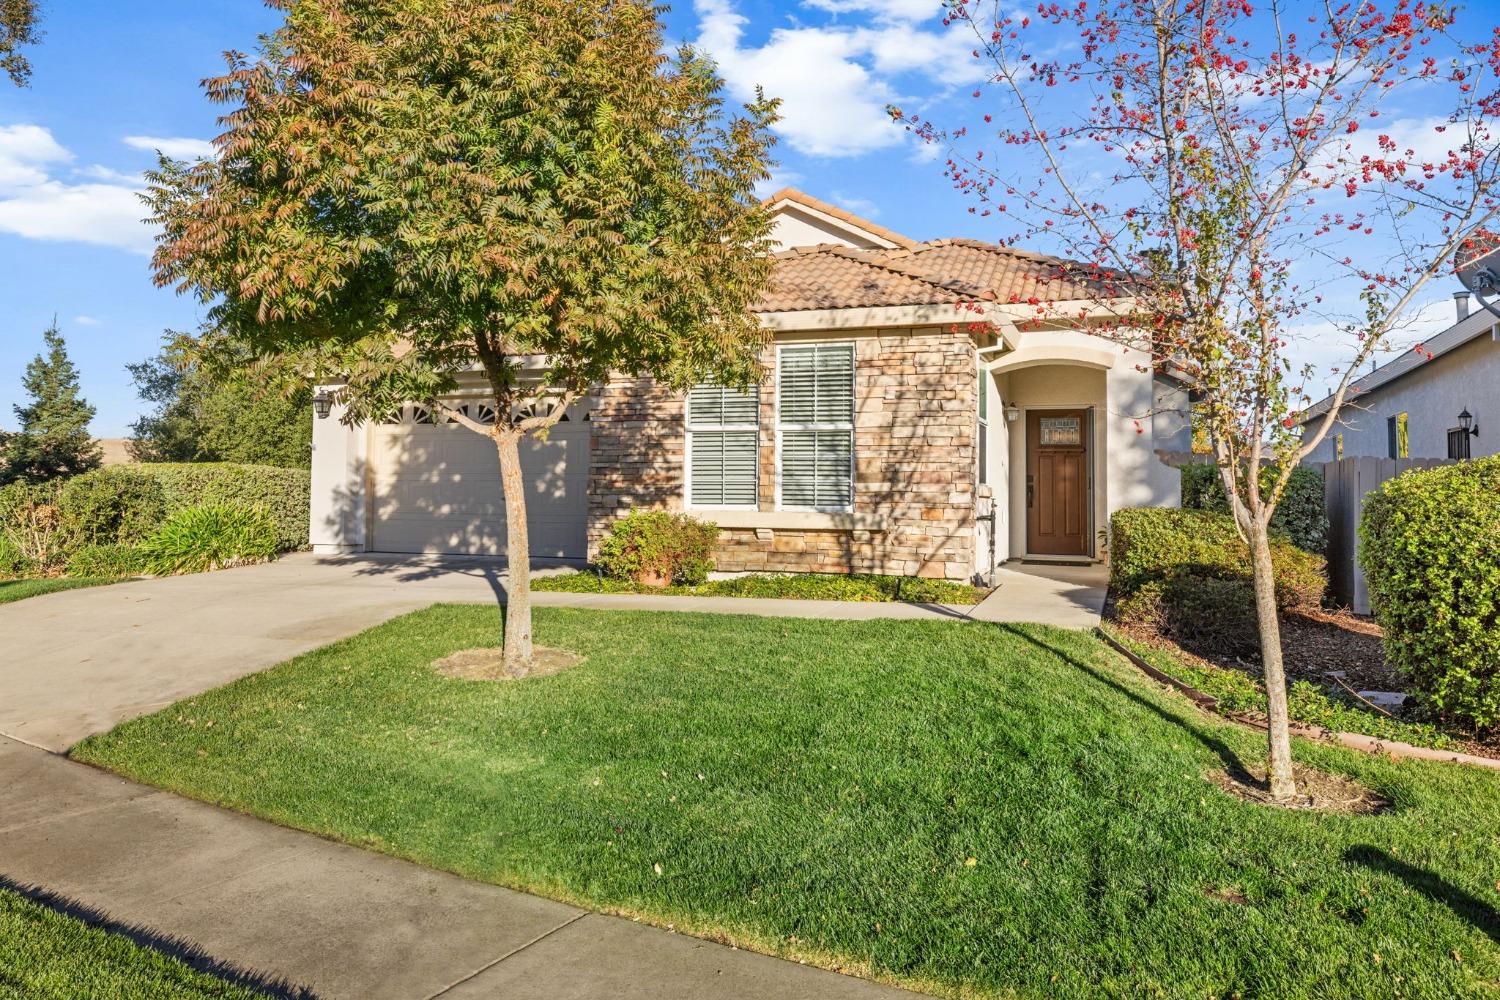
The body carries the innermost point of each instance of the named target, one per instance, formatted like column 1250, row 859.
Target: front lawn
column 968, row 809
column 47, row 956
column 791, row 586
column 17, row 590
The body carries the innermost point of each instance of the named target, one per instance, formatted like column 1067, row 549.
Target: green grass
column 817, row 789
column 1237, row 691
column 19, row 590
column 796, row 586
column 47, row 956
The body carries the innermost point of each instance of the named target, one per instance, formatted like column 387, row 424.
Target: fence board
column 1346, row 482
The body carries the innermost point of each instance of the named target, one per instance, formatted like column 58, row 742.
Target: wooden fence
column 1345, row 484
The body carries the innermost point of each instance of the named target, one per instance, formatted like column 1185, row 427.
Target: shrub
column 214, row 536
column 31, row 528
column 107, row 560
column 114, row 506
column 1186, row 574
column 285, row 493
column 1300, row 515
column 659, row 545
column 12, row 561
column 1430, row 548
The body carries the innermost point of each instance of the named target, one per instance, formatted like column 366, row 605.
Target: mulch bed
column 488, row 664
column 1317, row 791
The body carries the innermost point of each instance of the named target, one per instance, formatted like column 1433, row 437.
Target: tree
column 201, row 417
column 18, row 27
column 407, row 190
column 1233, row 175
column 54, row 439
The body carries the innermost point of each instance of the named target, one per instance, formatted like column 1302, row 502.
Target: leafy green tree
column 54, row 440
column 408, row 190
column 18, row 20
column 203, row 418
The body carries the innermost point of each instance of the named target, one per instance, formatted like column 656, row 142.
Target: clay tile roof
column 808, row 201
column 1006, row 273
column 830, row 276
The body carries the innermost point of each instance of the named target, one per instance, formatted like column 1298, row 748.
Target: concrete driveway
column 81, row 661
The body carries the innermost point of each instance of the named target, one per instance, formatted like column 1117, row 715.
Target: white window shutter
column 816, row 406
column 723, row 462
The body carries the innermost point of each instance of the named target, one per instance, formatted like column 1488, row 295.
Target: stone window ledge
column 793, row 520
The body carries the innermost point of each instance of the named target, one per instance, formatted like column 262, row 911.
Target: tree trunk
column 517, row 652
column 1279, row 766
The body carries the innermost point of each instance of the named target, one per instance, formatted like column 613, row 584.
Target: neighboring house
column 1411, row 407
column 902, row 384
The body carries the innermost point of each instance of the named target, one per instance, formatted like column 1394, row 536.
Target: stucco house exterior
column 1410, row 407
column 907, row 385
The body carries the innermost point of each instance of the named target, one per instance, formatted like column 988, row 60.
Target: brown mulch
column 487, row 664
column 1317, row 791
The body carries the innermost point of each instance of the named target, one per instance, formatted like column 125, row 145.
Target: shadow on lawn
column 184, row 951
column 1464, row 904
column 1233, row 766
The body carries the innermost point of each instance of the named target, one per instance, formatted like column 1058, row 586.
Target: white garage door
column 436, row 487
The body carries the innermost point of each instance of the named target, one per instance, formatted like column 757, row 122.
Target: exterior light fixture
column 1012, row 413
column 1466, row 423
column 322, row 403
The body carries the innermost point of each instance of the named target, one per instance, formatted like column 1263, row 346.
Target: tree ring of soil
column 486, row 663
column 1317, row 791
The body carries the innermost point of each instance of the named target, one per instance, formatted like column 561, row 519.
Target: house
column 1416, row 405
column 908, row 384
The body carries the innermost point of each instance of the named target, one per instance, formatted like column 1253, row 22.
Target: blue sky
column 113, row 81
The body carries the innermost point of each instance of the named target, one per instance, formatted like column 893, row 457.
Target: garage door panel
column 436, row 488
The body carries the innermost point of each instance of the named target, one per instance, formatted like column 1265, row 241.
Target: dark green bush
column 661, row 544
column 1186, row 574
column 1429, row 542
column 214, row 536
column 1300, row 515
column 113, row 506
column 285, row 493
column 107, row 560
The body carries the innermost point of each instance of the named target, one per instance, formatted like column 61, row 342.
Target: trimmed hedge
column 659, row 543
column 115, row 506
column 285, row 493
column 1301, row 514
column 1429, row 542
column 1186, row 574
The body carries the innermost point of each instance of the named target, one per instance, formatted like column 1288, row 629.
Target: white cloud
column 37, row 203
column 779, row 179
column 179, row 148
column 85, row 321
column 835, row 82
column 857, row 205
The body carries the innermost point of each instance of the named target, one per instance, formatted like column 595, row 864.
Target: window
column 815, row 427
column 1397, row 440
column 1458, row 444
column 722, row 446
column 984, row 428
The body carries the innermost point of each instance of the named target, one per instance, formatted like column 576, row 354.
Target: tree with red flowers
column 1234, row 172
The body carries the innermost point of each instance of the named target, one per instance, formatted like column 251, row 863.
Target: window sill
column 792, row 520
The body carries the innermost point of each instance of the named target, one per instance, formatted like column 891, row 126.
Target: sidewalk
column 289, row 910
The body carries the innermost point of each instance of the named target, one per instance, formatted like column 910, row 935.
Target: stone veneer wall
column 914, row 441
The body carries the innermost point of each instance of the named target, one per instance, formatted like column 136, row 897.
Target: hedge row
column 94, row 521
column 1300, row 515
column 1186, row 574
column 1430, row 548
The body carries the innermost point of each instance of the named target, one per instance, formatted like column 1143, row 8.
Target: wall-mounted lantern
column 322, row 403
column 1012, row 413
column 1466, row 423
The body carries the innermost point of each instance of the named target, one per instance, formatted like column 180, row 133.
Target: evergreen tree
column 54, row 439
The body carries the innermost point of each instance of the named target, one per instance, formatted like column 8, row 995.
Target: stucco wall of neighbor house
column 915, row 464
column 1432, row 395
column 1127, row 472
column 337, row 520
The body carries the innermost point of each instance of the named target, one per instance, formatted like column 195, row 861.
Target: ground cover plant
column 795, row 586
column 973, row 810
column 45, row 955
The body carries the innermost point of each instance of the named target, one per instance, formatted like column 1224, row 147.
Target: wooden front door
column 1058, row 498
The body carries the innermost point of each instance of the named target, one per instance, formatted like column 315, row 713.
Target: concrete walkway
column 304, row 916
column 81, row 661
